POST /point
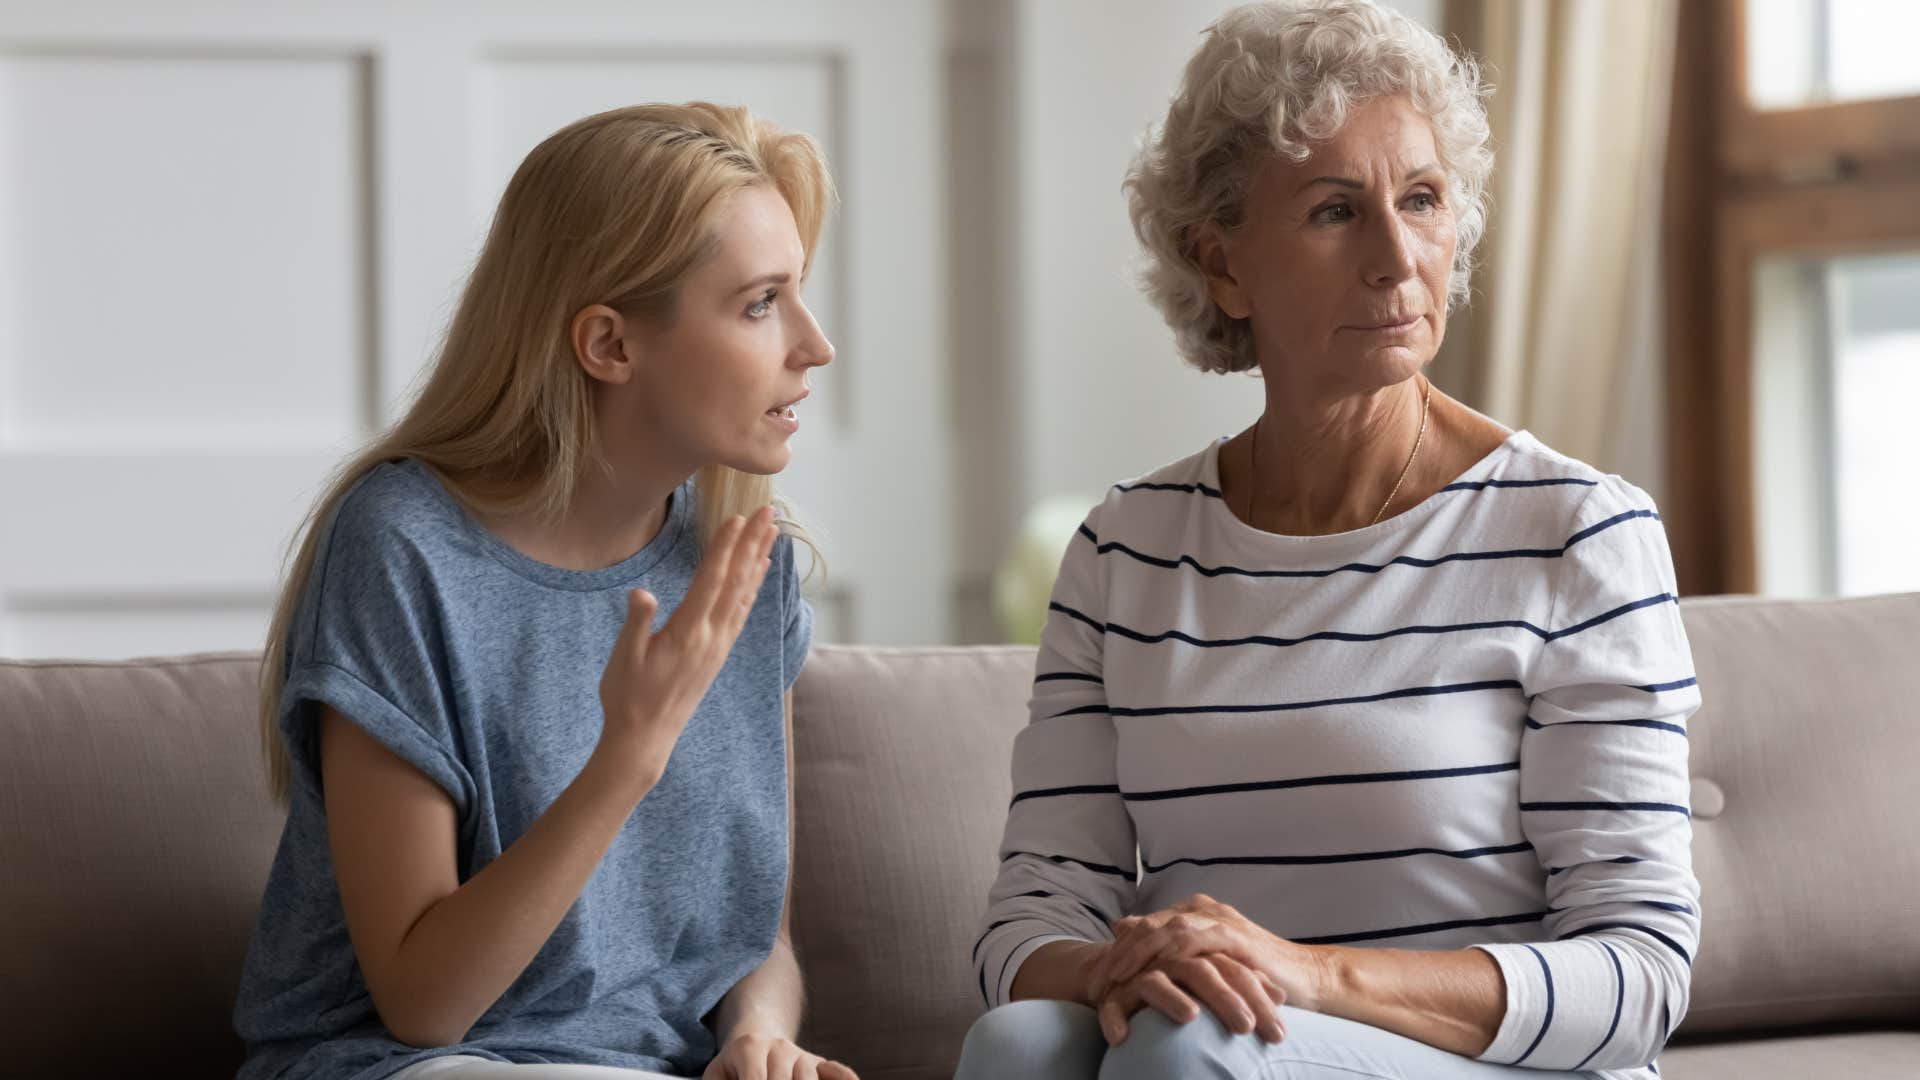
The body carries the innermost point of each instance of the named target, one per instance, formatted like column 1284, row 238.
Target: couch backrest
column 135, row 836
column 1806, row 758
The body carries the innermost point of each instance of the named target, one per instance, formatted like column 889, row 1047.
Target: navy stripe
column 1665, row 905
column 1548, row 1021
column 1088, row 533
column 1356, row 856
column 1552, row 870
column 1371, row 568
column 1286, row 706
column 1083, row 789
column 1657, row 725
column 1677, row 684
column 1648, row 930
column 1066, row 676
column 1098, row 868
column 1088, row 619
column 1480, row 485
column 1344, row 635
column 1191, row 489
column 1624, row 609
column 1667, row 808
column 1619, row 1000
column 1080, row 710
column 984, row 934
column 1429, row 928
column 1314, row 781
column 1461, row 485
column 1045, row 895
column 1603, row 526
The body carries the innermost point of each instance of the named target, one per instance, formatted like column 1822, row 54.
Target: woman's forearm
column 767, row 1001
column 466, row 948
column 1454, row 1000
column 1057, row 971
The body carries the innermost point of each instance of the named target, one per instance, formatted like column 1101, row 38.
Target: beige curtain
column 1563, row 333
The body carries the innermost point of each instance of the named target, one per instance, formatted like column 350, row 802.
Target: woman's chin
column 761, row 461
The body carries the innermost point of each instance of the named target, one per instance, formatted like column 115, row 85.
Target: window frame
column 1744, row 184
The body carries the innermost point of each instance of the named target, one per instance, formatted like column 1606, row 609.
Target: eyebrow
column 780, row 278
column 1349, row 182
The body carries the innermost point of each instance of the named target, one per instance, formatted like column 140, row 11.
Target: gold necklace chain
column 1253, row 460
column 1425, row 400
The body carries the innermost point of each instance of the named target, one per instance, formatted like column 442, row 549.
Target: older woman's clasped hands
column 1202, row 948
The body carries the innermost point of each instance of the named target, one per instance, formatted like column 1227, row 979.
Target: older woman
column 1358, row 741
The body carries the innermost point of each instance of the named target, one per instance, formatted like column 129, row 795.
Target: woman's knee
column 1157, row 1048
column 1032, row 1039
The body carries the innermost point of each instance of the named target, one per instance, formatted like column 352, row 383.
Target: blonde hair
column 617, row 209
column 1272, row 78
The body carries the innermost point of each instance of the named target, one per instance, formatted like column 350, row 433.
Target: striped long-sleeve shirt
column 1464, row 726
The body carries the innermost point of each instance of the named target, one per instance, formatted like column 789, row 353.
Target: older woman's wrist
column 1324, row 978
column 1059, row 971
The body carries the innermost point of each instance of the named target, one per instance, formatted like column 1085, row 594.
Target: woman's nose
column 813, row 350
column 1390, row 257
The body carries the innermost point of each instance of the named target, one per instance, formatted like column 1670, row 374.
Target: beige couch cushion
column 1805, row 757
column 901, row 791
column 1864, row 1055
column 135, row 835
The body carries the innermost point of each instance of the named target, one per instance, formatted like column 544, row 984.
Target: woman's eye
column 762, row 306
column 1336, row 212
column 1424, row 201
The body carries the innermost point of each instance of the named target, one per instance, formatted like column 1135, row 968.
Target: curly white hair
column 1274, row 77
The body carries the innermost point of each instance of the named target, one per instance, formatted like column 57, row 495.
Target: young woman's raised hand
column 653, row 681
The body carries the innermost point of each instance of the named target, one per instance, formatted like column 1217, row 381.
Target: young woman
column 526, row 690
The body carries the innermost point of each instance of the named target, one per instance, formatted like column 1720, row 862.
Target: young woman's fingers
column 710, row 579
column 637, row 633
column 833, row 1070
column 751, row 1067
column 1202, row 980
column 782, row 1057
column 1252, row 990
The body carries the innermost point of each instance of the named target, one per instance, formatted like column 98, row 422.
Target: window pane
column 1836, row 380
column 1876, row 381
column 1811, row 52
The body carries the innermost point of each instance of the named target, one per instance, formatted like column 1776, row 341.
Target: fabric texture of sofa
column 135, row 835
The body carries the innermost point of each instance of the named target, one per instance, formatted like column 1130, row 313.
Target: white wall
column 230, row 234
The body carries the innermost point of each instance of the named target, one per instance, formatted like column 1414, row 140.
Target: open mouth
column 785, row 411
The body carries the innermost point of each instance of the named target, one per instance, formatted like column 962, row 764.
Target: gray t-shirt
column 481, row 668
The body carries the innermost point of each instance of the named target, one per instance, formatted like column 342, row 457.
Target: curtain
column 1563, row 334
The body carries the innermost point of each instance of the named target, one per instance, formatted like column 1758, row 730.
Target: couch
column 135, row 834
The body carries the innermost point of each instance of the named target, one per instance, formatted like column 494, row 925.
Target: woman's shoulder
column 396, row 513
column 1526, row 461
column 1192, row 477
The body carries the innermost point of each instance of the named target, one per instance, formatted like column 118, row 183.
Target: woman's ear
column 599, row 343
column 1209, row 247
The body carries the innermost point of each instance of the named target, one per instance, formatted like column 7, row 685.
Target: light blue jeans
column 1061, row 1040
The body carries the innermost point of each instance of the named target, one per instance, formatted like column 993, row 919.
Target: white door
column 231, row 234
